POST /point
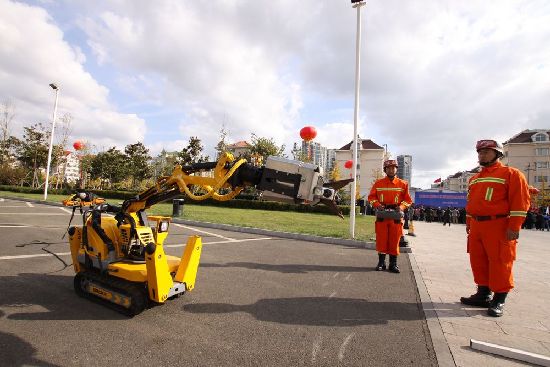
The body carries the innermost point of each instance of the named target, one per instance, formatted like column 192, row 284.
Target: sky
column 436, row 75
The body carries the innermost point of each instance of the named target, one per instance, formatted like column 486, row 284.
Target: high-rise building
column 404, row 169
column 315, row 153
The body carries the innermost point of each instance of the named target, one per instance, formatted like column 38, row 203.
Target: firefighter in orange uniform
column 389, row 194
column 498, row 200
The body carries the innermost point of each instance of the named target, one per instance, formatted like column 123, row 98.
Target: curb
column 439, row 342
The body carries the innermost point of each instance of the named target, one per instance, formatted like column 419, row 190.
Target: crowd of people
column 537, row 219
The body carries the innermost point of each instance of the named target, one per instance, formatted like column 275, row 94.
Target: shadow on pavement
column 17, row 352
column 54, row 296
column 317, row 311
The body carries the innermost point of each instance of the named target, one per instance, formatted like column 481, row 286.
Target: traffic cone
column 411, row 229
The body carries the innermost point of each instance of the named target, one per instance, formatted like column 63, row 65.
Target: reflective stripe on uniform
column 489, row 194
column 517, row 213
column 488, row 179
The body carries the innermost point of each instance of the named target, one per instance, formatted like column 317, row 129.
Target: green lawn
column 307, row 223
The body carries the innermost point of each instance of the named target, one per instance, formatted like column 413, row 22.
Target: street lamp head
column 54, row 86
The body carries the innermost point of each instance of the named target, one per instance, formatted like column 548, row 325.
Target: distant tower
column 315, row 152
column 404, row 171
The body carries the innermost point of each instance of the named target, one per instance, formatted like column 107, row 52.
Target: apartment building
column 459, row 181
column 370, row 159
column 529, row 151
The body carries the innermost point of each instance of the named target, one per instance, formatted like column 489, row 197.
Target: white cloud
column 33, row 53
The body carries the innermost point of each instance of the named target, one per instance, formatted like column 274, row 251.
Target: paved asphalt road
column 258, row 301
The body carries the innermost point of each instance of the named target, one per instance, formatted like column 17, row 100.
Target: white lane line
column 205, row 232
column 218, row 242
column 332, row 295
column 171, row 246
column 1, row 199
column 31, row 256
column 31, row 214
column 316, row 349
column 347, row 278
column 12, row 206
column 29, row 204
column 14, row 226
column 335, row 275
column 66, row 210
column 343, row 346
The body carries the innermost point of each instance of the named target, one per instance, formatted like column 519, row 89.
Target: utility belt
column 389, row 212
column 483, row 218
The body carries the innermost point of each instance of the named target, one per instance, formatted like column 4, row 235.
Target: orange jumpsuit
column 498, row 199
column 388, row 232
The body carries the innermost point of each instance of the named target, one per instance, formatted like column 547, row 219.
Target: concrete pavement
column 443, row 264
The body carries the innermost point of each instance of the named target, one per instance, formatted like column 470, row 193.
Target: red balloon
column 308, row 133
column 348, row 164
column 78, row 145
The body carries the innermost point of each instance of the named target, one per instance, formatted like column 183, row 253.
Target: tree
column 335, row 174
column 221, row 147
column 299, row 155
column 64, row 130
column 138, row 162
column 7, row 113
column 192, row 152
column 264, row 147
column 110, row 167
column 33, row 150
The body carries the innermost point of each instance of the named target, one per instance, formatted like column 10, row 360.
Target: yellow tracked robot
column 118, row 253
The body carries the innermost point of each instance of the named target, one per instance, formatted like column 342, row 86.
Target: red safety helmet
column 390, row 162
column 490, row 144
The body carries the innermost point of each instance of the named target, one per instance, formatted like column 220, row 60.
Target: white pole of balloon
column 355, row 4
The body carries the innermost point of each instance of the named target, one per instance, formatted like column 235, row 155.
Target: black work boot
column 496, row 309
column 381, row 262
column 482, row 298
column 393, row 264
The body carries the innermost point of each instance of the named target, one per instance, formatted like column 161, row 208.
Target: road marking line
column 31, row 256
column 66, row 210
column 347, row 278
column 1, row 199
column 218, row 242
column 332, row 295
column 335, row 275
column 343, row 346
column 31, row 214
column 205, row 232
column 29, row 204
column 171, row 246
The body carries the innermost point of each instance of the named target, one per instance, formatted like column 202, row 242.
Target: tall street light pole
column 56, row 89
column 355, row 4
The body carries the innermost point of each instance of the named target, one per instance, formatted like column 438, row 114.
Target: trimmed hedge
column 241, row 202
